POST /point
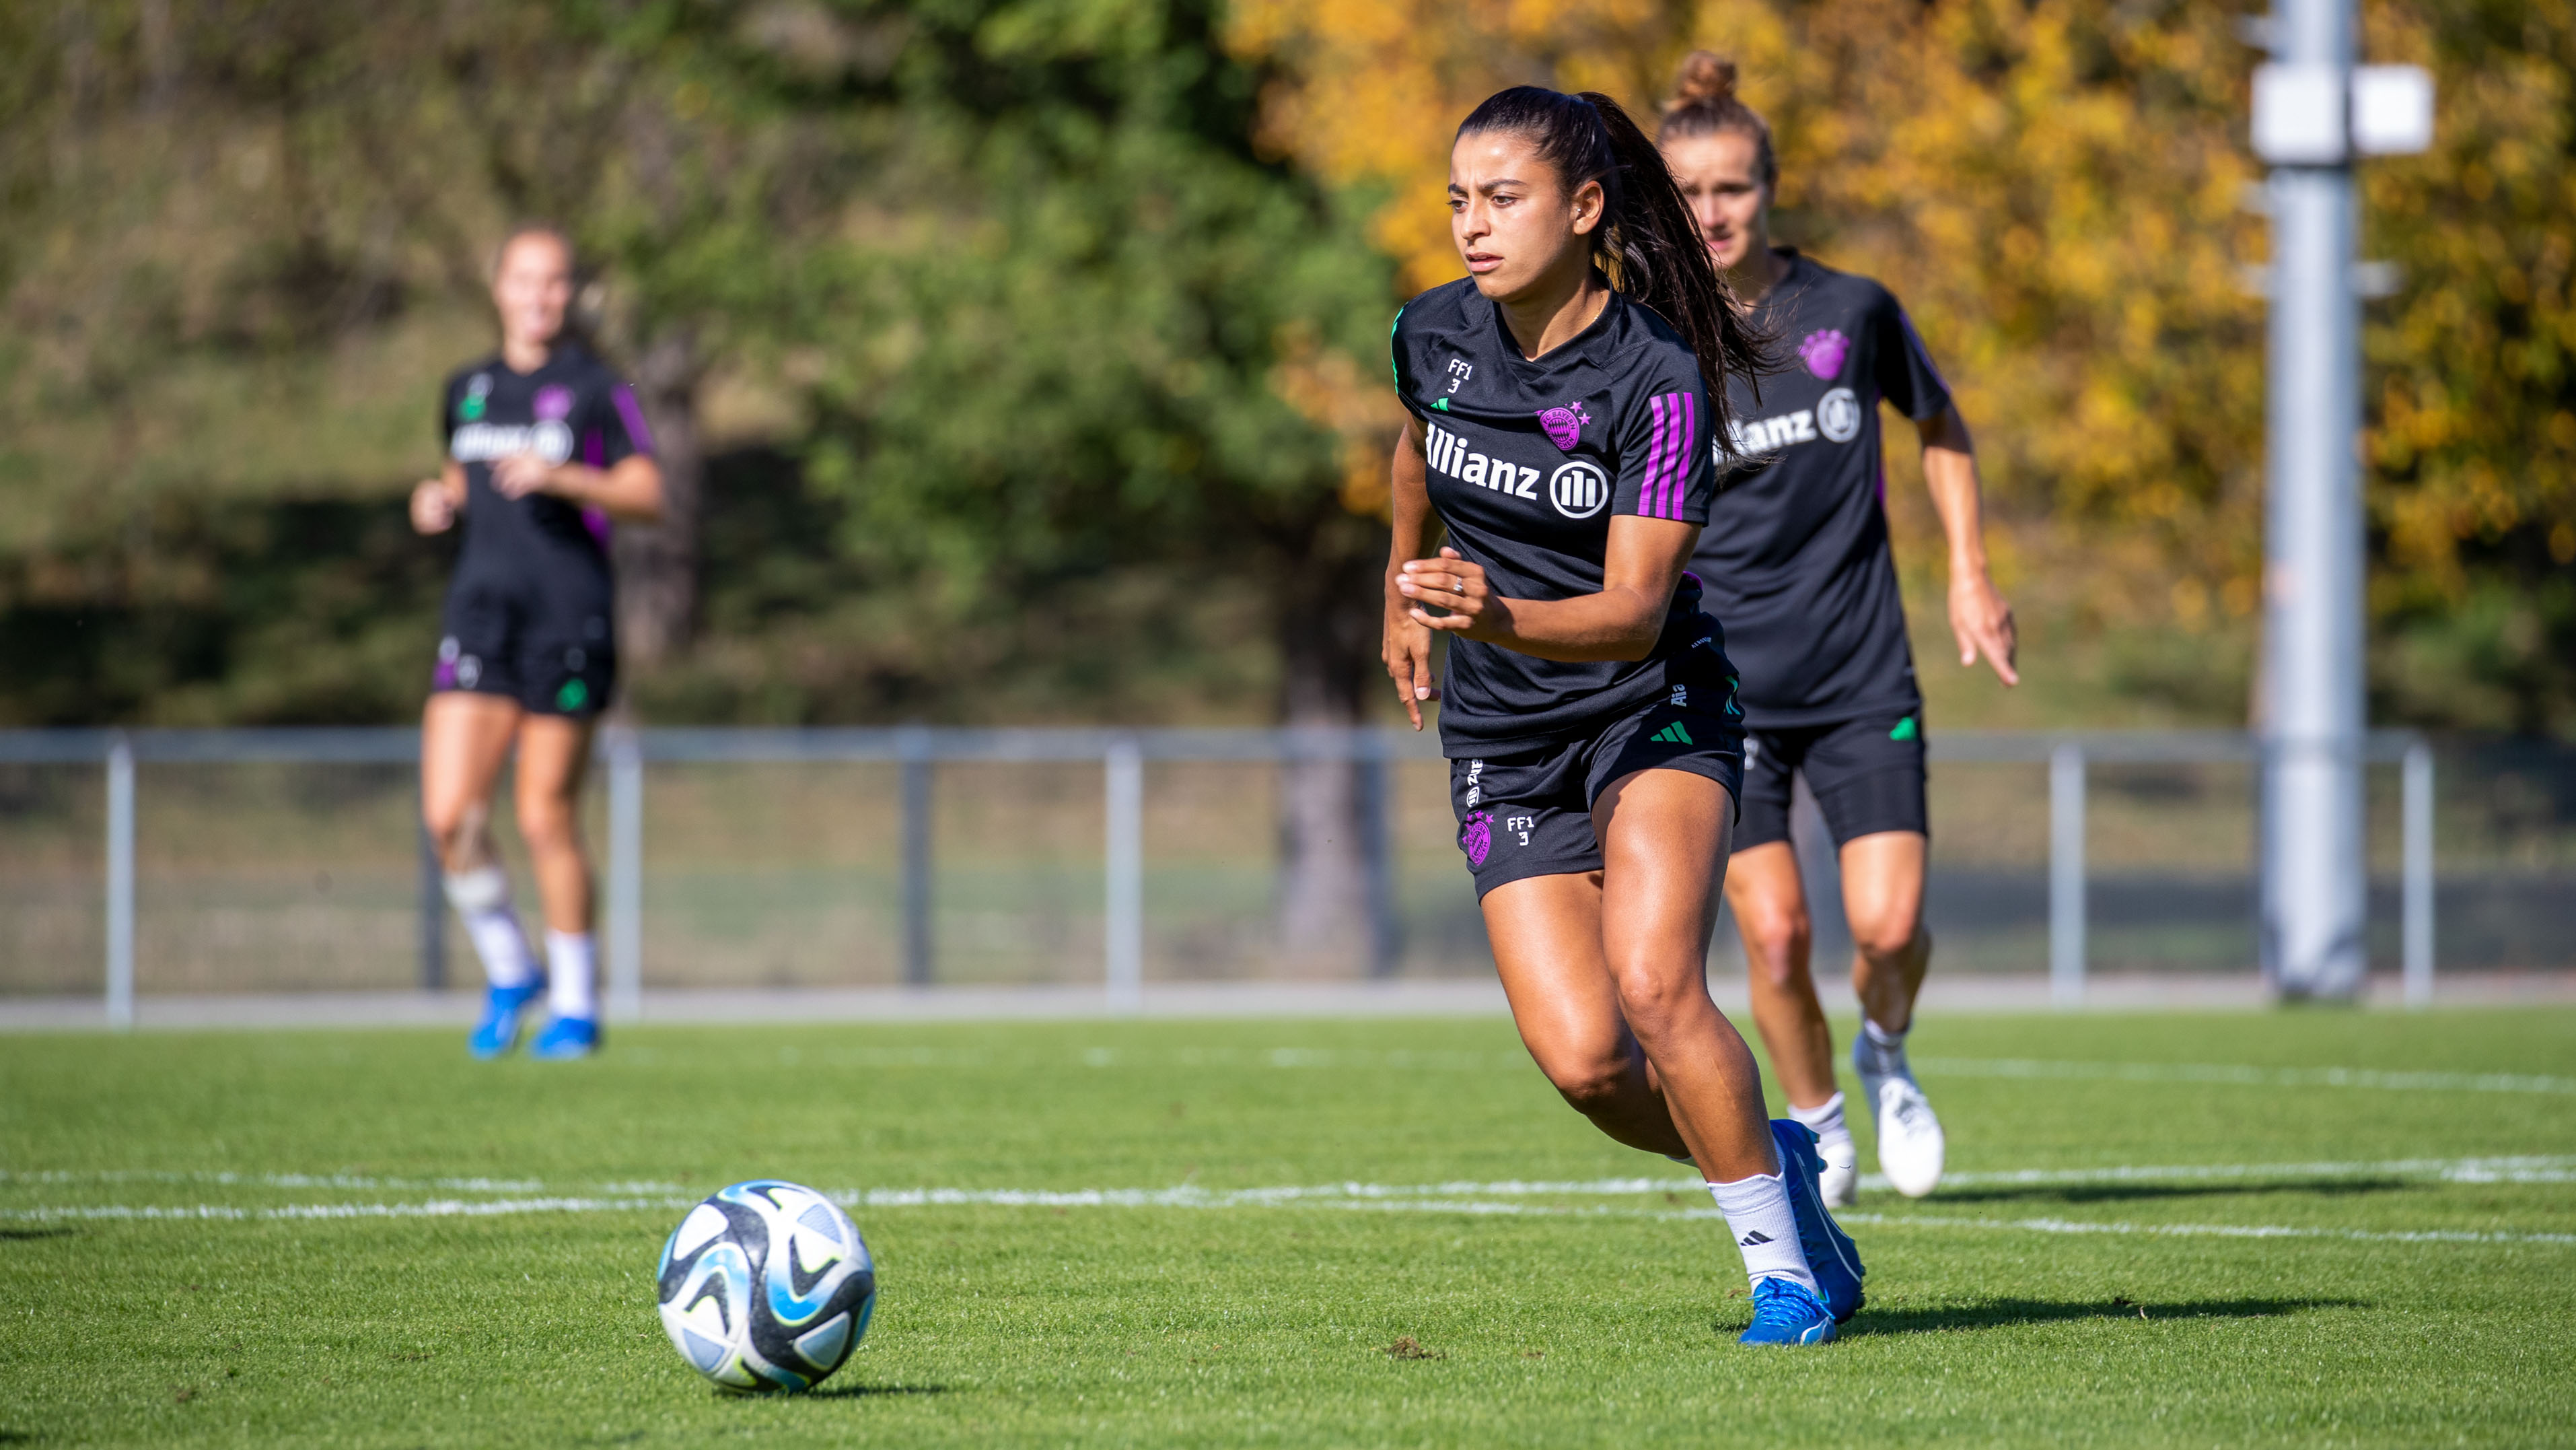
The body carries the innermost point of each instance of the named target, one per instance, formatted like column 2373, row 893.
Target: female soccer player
column 1561, row 440
column 544, row 445
column 1797, row 564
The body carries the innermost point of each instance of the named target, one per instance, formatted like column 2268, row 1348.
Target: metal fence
column 2071, row 762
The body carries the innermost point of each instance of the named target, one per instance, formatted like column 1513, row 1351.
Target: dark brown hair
column 1647, row 242
column 1704, row 103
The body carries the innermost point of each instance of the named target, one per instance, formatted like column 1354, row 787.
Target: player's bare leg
column 1883, row 899
column 1769, row 902
column 465, row 739
column 1606, row 972
column 554, row 755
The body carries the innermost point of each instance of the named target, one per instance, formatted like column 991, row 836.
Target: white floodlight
column 2392, row 110
column 2299, row 115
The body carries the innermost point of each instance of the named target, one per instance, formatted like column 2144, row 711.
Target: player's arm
column 437, row 502
column 1641, row 564
column 1407, row 644
column 629, row 490
column 1979, row 616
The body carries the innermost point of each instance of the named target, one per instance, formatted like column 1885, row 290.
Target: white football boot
column 1910, row 1146
column 1839, row 1184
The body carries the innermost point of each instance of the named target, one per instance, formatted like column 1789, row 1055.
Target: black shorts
column 1867, row 776
column 546, row 642
column 1530, row 813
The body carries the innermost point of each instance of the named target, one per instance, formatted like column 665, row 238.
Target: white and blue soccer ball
column 766, row 1286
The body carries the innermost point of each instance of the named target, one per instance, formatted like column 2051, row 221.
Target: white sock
column 482, row 901
column 1758, row 1216
column 1833, row 1135
column 572, row 959
column 1881, row 1051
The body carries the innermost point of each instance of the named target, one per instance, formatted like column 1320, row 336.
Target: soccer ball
column 766, row 1286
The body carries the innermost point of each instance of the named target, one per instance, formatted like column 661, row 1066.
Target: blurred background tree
column 1033, row 349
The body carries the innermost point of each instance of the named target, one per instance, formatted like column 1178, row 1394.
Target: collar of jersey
column 1577, row 348
column 1793, row 283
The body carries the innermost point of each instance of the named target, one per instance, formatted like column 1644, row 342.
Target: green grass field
column 2211, row 1230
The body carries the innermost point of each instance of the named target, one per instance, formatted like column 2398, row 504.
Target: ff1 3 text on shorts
column 1867, row 776
column 1529, row 813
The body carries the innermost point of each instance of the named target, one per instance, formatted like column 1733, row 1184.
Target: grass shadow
column 2148, row 1192
column 56, row 1231
column 2004, row 1313
column 862, row 1392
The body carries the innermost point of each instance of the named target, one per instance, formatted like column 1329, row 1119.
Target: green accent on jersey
column 1673, row 734
column 572, row 696
column 1441, row 403
column 1392, row 370
column 471, row 408
column 1905, row 730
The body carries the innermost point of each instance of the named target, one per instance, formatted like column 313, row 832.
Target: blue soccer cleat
column 498, row 1032
column 1831, row 1255
column 1785, row 1313
column 564, row 1039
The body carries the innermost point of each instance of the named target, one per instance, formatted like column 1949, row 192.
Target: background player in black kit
column 544, row 446
column 1797, row 564
column 1561, row 439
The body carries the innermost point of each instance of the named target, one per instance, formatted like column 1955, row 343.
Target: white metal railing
column 1122, row 755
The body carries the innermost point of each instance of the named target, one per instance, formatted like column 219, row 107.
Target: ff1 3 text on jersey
column 529, row 612
column 1528, row 463
column 1795, row 555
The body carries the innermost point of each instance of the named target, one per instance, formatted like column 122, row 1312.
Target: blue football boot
column 1785, row 1313
column 498, row 1032
column 1831, row 1255
column 566, row 1038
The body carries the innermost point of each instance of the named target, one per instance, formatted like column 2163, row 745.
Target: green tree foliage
column 1007, row 276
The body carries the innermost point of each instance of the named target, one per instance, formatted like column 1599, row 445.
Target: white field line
column 1499, row 1198
column 283, row 1180
column 2199, row 1072
column 2206, row 1230
column 2236, row 1075
column 2518, row 1169
column 2447, row 1170
column 452, row 1208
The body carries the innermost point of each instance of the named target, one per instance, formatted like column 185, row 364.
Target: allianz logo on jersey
column 550, row 440
column 1578, row 488
column 1836, row 418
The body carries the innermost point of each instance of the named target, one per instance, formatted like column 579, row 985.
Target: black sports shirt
column 1795, row 556
column 573, row 409
column 1528, row 463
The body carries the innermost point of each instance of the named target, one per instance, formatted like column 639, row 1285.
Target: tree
column 1074, row 338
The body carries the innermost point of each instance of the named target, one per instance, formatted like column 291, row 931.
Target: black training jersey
column 1529, row 462
column 573, row 409
column 1795, row 555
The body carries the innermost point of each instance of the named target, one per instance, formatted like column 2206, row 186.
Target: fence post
column 2417, row 923
column 1124, row 930
column 914, row 746
column 433, row 915
column 2066, row 874
column 120, row 884
column 625, row 876
column 1377, row 850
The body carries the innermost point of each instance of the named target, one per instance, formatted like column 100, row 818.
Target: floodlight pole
column 2313, row 866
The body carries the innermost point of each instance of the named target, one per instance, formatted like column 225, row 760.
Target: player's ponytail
column 1647, row 243
column 1704, row 103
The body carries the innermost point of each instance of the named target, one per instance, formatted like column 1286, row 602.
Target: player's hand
column 1983, row 623
column 433, row 509
column 522, row 474
column 1450, row 594
column 1406, row 647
